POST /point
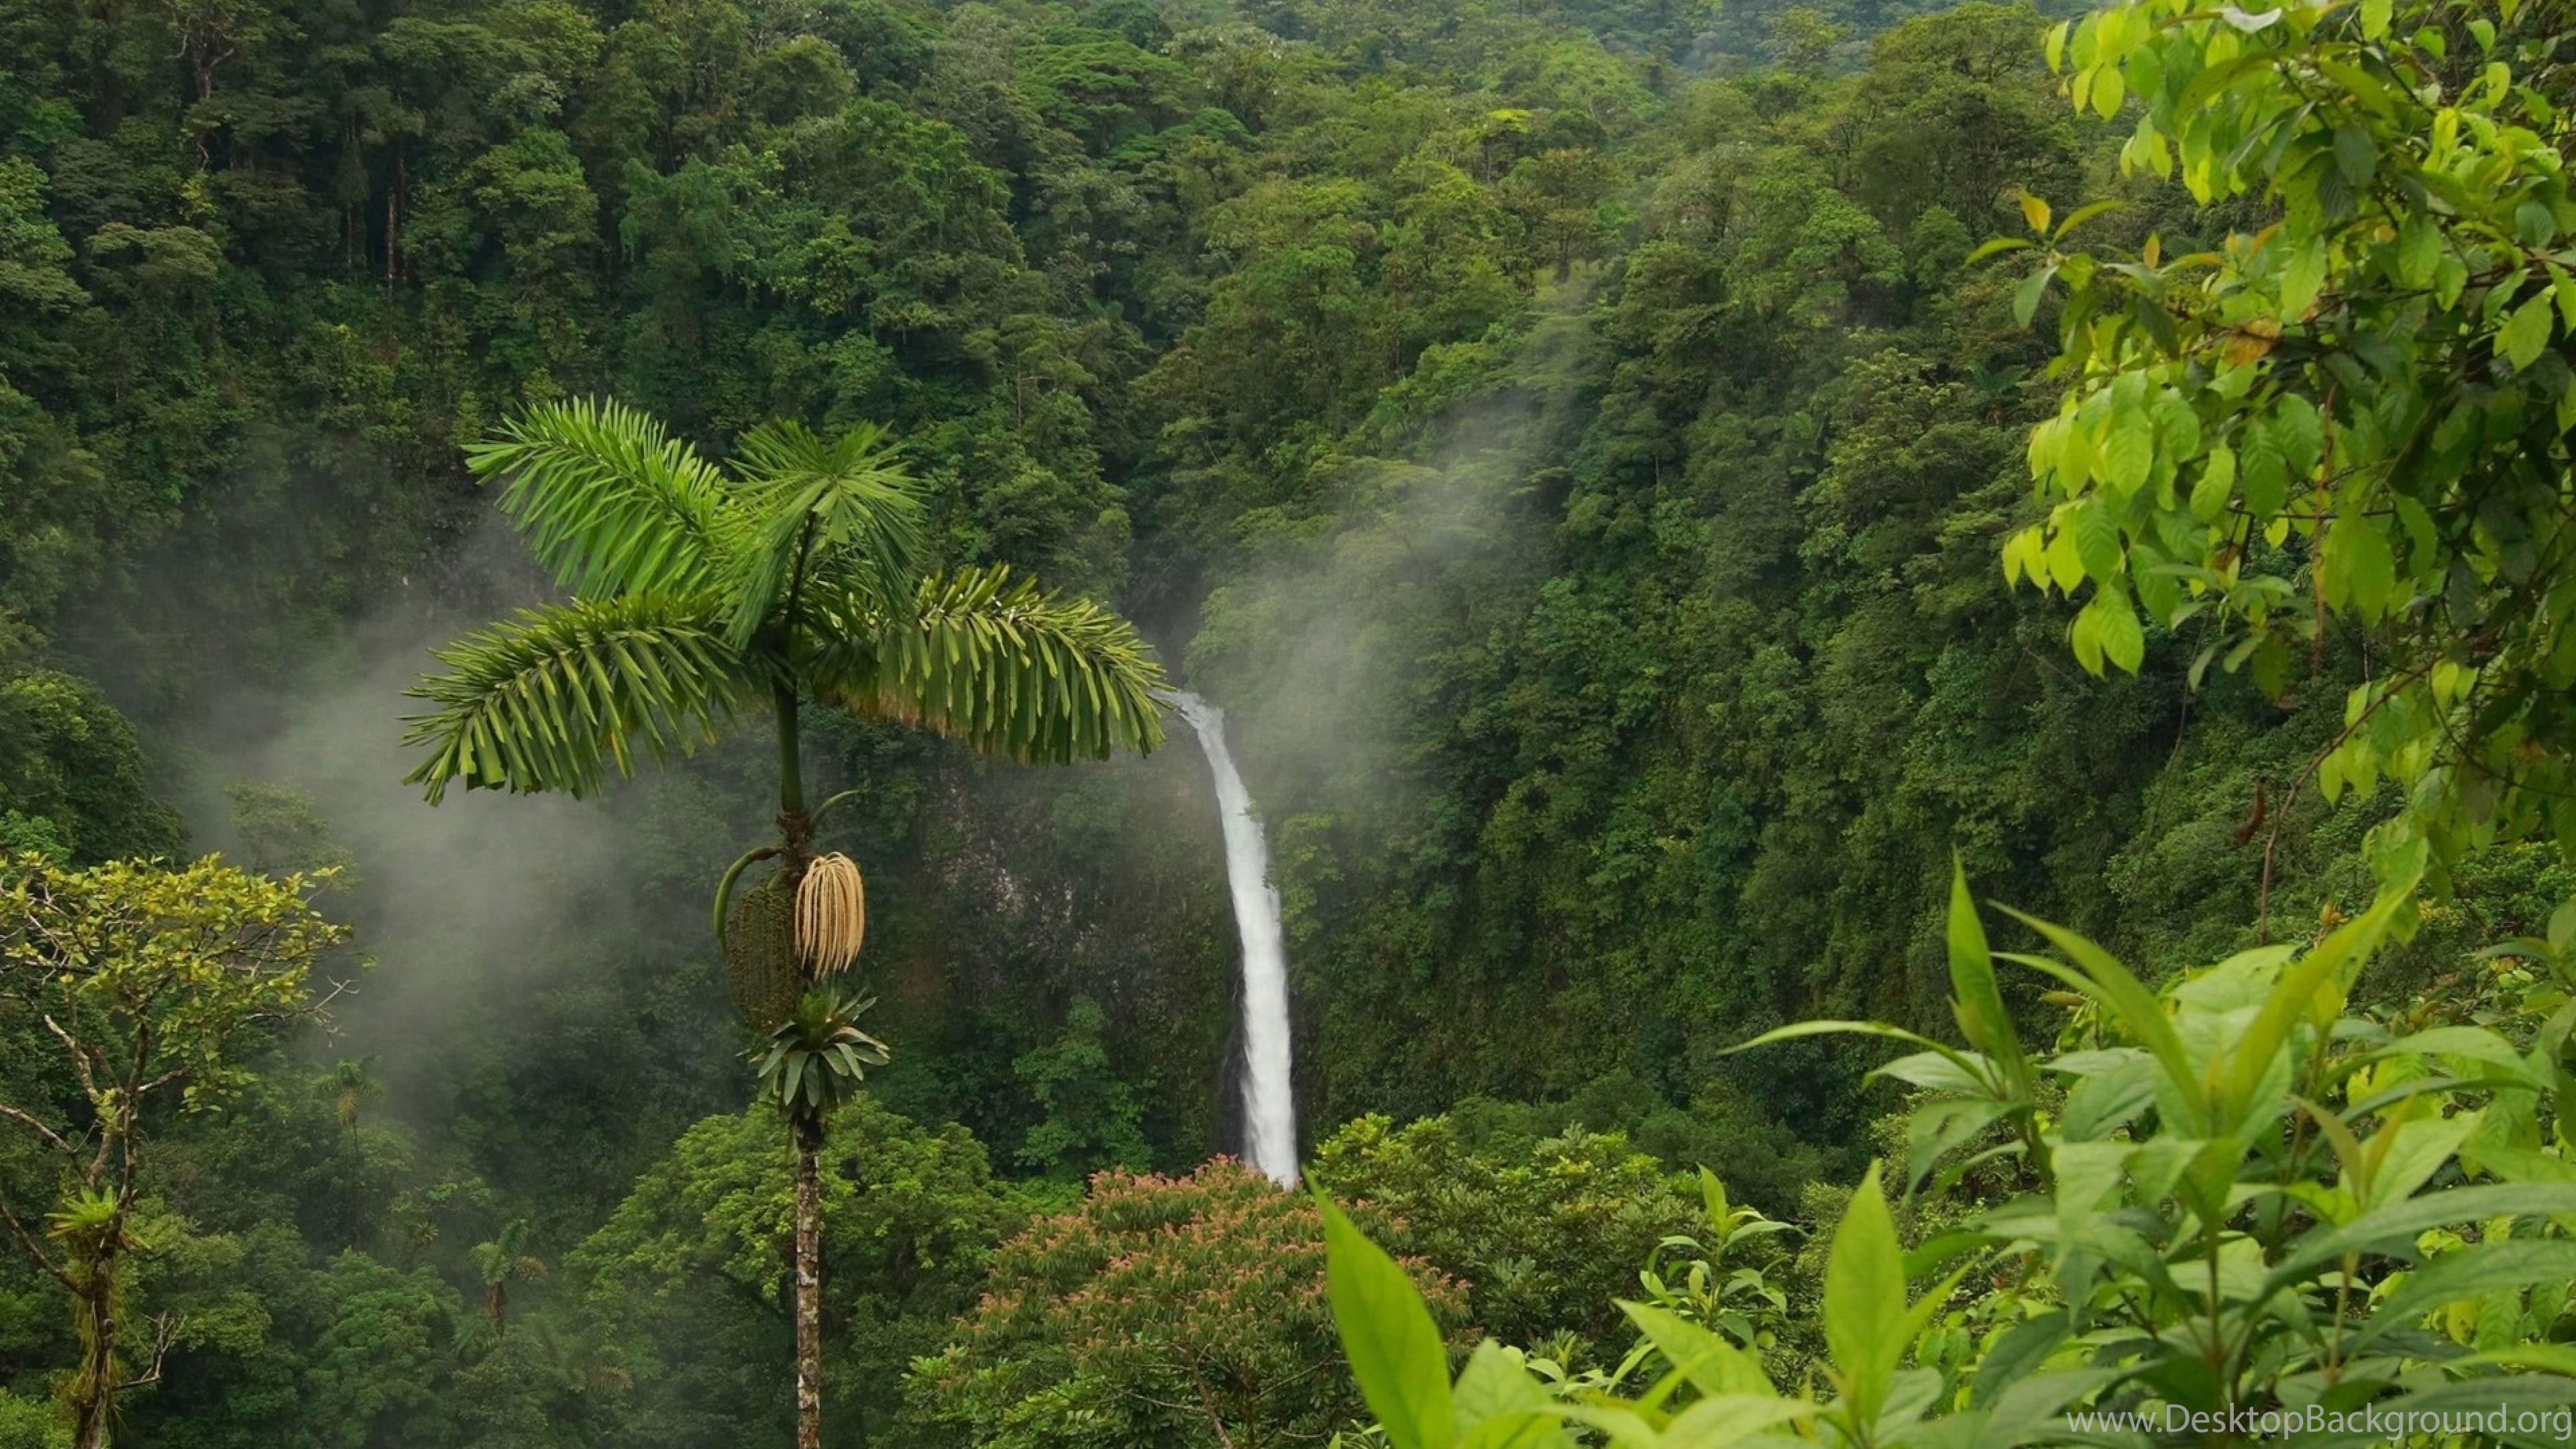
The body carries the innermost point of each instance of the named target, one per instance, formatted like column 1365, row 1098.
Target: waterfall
column 1269, row 1107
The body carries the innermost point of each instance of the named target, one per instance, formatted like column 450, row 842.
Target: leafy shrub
column 1542, row 1239
column 2247, row 1202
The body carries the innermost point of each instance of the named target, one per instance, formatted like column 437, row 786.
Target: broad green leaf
column 2369, row 566
column 2264, row 472
column 2084, row 636
column 1499, row 1404
column 2026, row 297
column 2295, row 998
column 2217, row 485
column 2526, row 334
column 2419, row 249
column 2399, row 1222
column 1732, row 1419
column 1865, row 1300
column 2303, row 275
column 2097, row 533
column 1942, row 1072
column 2109, row 1098
column 1387, row 1333
column 2129, row 452
column 1710, row 1363
column 2409, row 1152
column 2300, row 431
column 1943, row 1124
column 1712, row 1198
column 2124, row 641
column 2022, row 1348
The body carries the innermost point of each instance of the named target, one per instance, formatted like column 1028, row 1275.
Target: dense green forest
column 1665, row 493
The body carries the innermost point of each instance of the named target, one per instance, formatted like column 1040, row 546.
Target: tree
column 701, row 594
column 1543, row 1239
column 1163, row 1313
column 2337, row 432
column 499, row 1262
column 685, row 1282
column 150, row 980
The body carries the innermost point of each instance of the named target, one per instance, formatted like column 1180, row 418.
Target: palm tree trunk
column 794, row 825
column 809, row 1283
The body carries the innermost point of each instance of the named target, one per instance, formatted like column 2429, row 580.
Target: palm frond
column 845, row 507
column 606, row 497
column 1010, row 670
column 555, row 697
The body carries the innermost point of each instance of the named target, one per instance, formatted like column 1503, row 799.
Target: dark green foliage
column 1572, row 440
column 1531, row 1234
column 687, row 1289
column 72, row 781
column 1163, row 1313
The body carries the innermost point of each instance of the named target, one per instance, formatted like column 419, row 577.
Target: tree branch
column 34, row 1250
column 53, row 1139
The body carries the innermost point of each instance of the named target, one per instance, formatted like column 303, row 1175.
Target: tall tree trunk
column 809, row 1283
column 94, row 1390
column 797, row 830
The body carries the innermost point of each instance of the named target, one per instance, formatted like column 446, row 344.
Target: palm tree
column 702, row 594
column 499, row 1263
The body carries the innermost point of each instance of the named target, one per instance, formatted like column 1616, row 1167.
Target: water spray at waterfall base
column 1269, row 1104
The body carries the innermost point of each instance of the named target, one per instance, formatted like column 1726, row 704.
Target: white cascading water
column 1269, row 1105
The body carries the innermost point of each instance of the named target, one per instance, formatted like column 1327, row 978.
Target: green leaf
column 2419, row 250
column 2129, row 453
column 2097, row 539
column 2084, row 636
column 2099, row 975
column 2124, row 641
column 1865, row 1300
column 1387, row 1333
column 554, row 698
column 2368, row 566
column 1720, row 1421
column 2526, row 334
column 1499, row 1405
column 2210, row 495
column 1977, row 999
column 2399, row 1222
column 1942, row 1124
column 2262, row 468
column 1711, row 1364
column 2295, row 998
column 990, row 660
column 1797, row 1029
column 2300, row 431
column 2026, row 297
column 2356, row 155
column 2303, row 275
column 606, row 498
column 2085, row 213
